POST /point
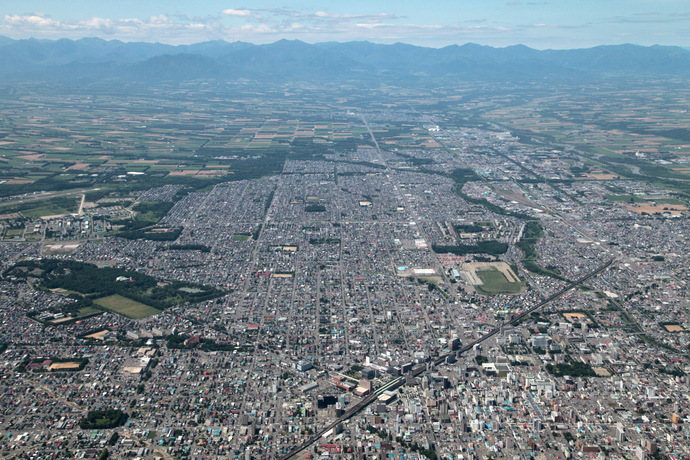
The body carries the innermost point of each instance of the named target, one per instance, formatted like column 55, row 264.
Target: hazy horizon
column 108, row 39
column 555, row 25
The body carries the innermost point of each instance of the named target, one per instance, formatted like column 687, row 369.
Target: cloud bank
column 265, row 25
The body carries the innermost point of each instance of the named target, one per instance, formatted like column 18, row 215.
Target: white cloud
column 160, row 19
column 370, row 25
column 156, row 28
column 239, row 13
column 179, row 28
column 258, row 28
column 323, row 16
column 105, row 25
column 36, row 20
column 97, row 23
column 267, row 25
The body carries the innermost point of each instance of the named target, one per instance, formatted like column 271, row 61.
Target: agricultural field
column 633, row 133
column 126, row 307
column 64, row 142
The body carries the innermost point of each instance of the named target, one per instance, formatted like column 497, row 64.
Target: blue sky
column 554, row 24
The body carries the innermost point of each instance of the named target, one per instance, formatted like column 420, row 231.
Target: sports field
column 14, row 232
column 495, row 282
column 63, row 366
column 126, row 307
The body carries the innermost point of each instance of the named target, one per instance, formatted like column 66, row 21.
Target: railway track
column 395, row 383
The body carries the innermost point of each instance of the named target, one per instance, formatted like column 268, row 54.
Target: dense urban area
column 482, row 273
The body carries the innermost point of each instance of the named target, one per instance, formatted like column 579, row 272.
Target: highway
column 395, row 383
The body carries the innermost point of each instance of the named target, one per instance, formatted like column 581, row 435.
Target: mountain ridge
column 95, row 59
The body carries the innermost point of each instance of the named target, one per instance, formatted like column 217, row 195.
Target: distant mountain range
column 96, row 60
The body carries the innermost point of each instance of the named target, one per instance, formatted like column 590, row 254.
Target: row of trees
column 492, row 247
column 103, row 419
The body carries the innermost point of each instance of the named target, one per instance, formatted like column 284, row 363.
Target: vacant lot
column 650, row 208
column 61, row 320
column 97, row 335
column 601, row 176
column 88, row 311
column 126, row 307
column 602, row 372
column 572, row 317
column 62, row 366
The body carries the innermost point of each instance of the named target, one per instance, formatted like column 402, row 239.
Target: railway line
column 397, row 382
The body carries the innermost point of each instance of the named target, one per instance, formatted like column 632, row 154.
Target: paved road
column 81, row 205
column 534, row 405
column 43, row 196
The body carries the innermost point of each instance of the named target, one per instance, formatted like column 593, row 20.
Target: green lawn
column 625, row 198
column 126, row 307
column 88, row 311
column 668, row 201
column 495, row 283
column 240, row 237
column 46, row 211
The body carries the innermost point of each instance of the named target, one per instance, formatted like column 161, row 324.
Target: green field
column 126, row 307
column 240, row 237
column 46, row 211
column 11, row 233
column 42, row 207
column 88, row 311
column 495, row 283
column 668, row 201
column 625, row 198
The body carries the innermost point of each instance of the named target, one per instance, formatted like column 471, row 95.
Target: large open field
column 160, row 141
column 650, row 208
column 126, row 307
column 63, row 366
column 495, row 282
column 14, row 233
